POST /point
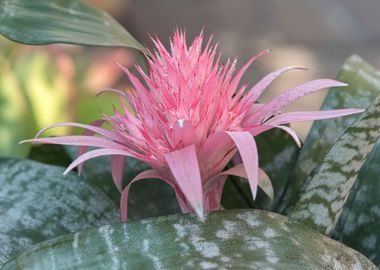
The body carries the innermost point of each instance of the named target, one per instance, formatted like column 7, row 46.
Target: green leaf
column 237, row 239
column 61, row 21
column 38, row 203
column 148, row 198
column 278, row 154
column 364, row 83
column 327, row 189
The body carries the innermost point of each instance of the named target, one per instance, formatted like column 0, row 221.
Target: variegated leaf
column 234, row 239
column 364, row 82
column 38, row 203
column 328, row 187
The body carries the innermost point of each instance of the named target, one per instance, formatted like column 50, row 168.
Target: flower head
column 187, row 118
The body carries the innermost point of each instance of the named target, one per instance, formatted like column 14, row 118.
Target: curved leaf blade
column 40, row 22
column 328, row 187
column 237, row 239
column 364, row 81
column 358, row 226
column 38, row 203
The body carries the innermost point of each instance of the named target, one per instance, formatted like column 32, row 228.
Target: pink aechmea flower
column 187, row 119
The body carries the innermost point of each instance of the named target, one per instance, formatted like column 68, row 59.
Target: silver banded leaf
column 38, row 203
column 358, row 225
column 61, row 21
column 234, row 239
column 364, row 85
column 330, row 184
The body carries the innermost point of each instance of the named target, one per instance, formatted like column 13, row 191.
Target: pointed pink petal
column 292, row 134
column 83, row 149
column 117, row 169
column 246, row 145
column 101, row 131
column 184, row 166
column 264, row 181
column 77, row 140
column 287, row 97
column 152, row 174
column 255, row 92
column 292, row 117
column 118, row 92
column 97, row 153
column 213, row 194
column 215, row 153
column 235, row 81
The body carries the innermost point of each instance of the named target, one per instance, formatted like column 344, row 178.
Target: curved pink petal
column 151, row 174
column 255, row 92
column 184, row 166
column 292, row 134
column 289, row 96
column 235, row 81
column 246, row 146
column 213, row 193
column 291, row 117
column 101, row 131
column 117, row 169
column 264, row 181
column 214, row 159
column 83, row 149
column 98, row 153
column 77, row 140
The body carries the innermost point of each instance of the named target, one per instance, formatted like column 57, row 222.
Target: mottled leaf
column 321, row 203
column 234, row 239
column 358, row 225
column 61, row 21
column 147, row 198
column 38, row 203
column 364, row 83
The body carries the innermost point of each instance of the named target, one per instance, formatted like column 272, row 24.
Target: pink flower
column 187, row 119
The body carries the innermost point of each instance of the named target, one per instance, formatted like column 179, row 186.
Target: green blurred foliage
column 40, row 86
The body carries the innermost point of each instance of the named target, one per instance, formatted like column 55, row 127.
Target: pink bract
column 187, row 119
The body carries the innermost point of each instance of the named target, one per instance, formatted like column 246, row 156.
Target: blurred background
column 42, row 85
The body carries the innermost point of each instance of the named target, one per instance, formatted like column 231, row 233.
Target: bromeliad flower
column 186, row 119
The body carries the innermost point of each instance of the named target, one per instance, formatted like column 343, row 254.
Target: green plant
column 45, row 217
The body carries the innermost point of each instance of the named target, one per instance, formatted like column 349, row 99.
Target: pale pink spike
column 98, row 153
column 292, row 117
column 292, row 133
column 255, row 92
column 289, row 96
column 184, row 166
column 246, row 146
column 78, row 141
column 235, row 81
column 117, row 169
column 101, row 131
column 83, row 149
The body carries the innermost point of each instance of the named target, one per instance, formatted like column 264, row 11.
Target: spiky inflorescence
column 187, row 120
